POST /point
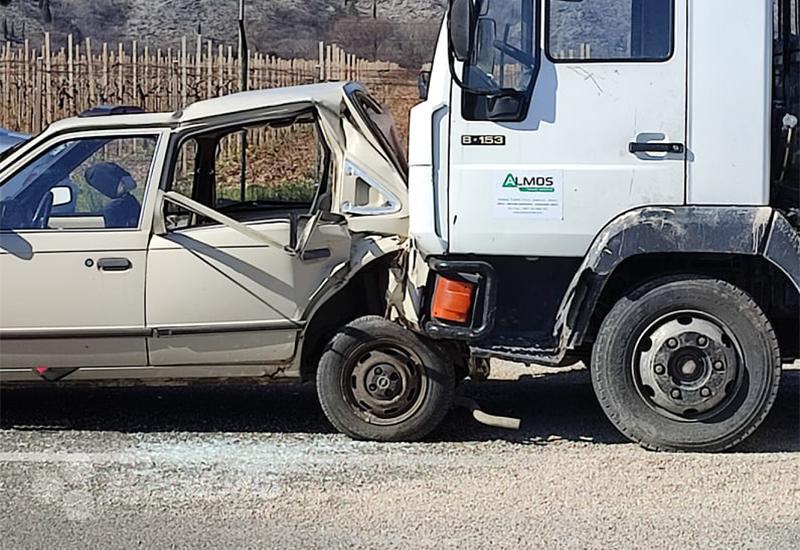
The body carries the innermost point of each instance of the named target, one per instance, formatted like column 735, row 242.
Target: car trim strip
column 219, row 328
column 145, row 332
column 66, row 333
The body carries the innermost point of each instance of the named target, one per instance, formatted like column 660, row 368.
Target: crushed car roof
column 328, row 94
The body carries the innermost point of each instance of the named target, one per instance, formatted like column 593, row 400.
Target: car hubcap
column 384, row 384
column 687, row 365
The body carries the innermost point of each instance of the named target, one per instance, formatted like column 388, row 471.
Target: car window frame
column 180, row 136
column 24, row 158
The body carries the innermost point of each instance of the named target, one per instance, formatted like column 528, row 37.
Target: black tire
column 635, row 340
column 371, row 352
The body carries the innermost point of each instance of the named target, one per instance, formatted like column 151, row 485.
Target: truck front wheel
column 380, row 382
column 686, row 363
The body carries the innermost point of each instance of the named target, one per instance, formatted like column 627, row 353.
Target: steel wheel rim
column 384, row 383
column 687, row 366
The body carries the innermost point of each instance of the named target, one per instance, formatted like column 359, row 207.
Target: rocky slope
column 284, row 27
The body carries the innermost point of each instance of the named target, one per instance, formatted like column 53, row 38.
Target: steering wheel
column 523, row 57
column 42, row 213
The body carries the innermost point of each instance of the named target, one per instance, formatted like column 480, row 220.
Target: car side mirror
column 62, row 195
column 461, row 28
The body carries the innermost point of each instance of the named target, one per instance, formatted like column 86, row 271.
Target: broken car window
column 283, row 170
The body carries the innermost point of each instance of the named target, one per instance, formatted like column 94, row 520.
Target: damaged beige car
column 145, row 247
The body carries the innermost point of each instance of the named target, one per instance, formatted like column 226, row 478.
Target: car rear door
column 231, row 285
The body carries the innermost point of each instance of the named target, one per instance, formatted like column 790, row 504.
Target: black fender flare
column 749, row 231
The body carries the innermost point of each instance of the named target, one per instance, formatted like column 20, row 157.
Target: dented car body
column 155, row 282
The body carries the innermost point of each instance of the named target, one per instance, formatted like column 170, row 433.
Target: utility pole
column 375, row 36
column 244, row 60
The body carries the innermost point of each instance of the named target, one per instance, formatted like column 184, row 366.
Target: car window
column 283, row 171
column 87, row 183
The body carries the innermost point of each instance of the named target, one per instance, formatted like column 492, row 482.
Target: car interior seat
column 115, row 183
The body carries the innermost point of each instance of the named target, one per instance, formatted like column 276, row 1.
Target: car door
column 75, row 218
column 229, row 280
column 605, row 130
column 232, row 281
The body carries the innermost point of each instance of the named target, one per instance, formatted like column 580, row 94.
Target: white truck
column 613, row 181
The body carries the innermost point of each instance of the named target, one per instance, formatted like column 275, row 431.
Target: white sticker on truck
column 528, row 195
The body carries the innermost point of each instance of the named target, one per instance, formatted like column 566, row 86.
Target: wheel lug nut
column 705, row 392
column 659, row 369
column 702, row 341
column 373, row 387
column 676, row 393
column 672, row 342
column 719, row 365
column 378, row 370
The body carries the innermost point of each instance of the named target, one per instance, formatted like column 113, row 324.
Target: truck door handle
column 655, row 147
column 114, row 264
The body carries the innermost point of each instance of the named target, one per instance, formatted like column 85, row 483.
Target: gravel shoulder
column 253, row 467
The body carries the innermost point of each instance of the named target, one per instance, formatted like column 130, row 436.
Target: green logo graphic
column 533, row 184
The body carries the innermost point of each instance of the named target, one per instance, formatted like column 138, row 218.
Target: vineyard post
column 90, row 72
column 71, row 69
column 48, row 81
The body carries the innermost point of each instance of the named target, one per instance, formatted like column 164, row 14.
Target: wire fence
column 39, row 86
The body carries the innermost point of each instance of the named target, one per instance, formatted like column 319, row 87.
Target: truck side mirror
column 461, row 28
column 423, row 82
column 506, row 106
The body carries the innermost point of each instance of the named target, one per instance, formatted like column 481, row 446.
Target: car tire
column 378, row 381
column 686, row 363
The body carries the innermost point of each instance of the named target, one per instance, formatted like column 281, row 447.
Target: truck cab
column 616, row 181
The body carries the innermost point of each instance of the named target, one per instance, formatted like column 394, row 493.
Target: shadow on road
column 558, row 406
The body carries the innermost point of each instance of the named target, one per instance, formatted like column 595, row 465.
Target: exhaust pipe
column 503, row 422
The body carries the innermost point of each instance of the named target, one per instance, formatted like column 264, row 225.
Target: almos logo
column 535, row 184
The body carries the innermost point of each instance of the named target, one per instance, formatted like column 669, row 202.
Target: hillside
column 404, row 30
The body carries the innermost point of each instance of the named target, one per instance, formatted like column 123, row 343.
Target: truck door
column 603, row 129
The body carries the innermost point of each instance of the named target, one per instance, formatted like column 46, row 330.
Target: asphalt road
column 259, row 467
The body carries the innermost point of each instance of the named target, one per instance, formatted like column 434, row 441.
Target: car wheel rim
column 384, row 383
column 687, row 366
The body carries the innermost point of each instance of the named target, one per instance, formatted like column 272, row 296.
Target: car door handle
column 655, row 147
column 114, row 264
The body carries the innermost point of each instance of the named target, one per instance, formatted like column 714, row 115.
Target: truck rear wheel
column 686, row 363
column 381, row 382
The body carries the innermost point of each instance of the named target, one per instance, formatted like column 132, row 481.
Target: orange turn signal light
column 452, row 300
